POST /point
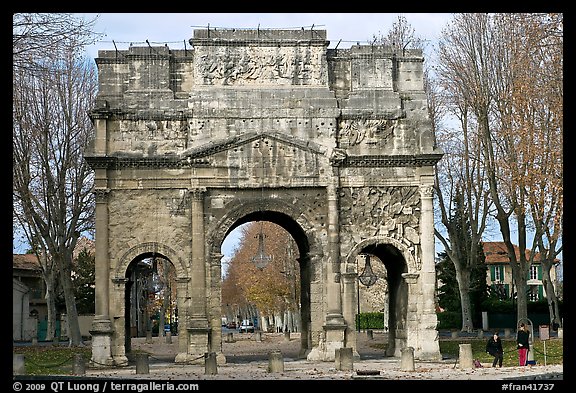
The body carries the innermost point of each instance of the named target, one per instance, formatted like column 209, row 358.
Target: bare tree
column 52, row 92
column 38, row 36
column 530, row 113
column 489, row 57
column 400, row 36
column 462, row 194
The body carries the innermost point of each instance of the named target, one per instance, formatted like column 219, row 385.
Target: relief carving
column 384, row 211
column 248, row 68
column 368, row 131
column 173, row 131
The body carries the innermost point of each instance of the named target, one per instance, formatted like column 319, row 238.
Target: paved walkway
column 247, row 359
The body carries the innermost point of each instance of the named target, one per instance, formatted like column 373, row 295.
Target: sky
column 175, row 29
column 343, row 29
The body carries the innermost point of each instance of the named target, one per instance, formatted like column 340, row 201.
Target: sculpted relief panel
column 259, row 66
column 150, row 136
column 372, row 132
column 383, row 211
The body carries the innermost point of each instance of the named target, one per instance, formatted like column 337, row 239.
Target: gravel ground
column 247, row 359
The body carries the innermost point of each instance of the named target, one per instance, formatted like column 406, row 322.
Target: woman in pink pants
column 522, row 339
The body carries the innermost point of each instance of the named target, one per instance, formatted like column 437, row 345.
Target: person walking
column 494, row 348
column 522, row 339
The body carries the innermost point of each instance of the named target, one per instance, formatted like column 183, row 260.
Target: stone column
column 215, row 290
column 183, row 299
column 335, row 325
column 430, row 347
column 349, row 309
column 101, row 329
column 119, row 320
column 409, row 338
column 198, row 326
column 333, row 299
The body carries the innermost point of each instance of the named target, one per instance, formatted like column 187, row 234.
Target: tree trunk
column 463, row 278
column 551, row 298
column 51, row 315
column 71, row 312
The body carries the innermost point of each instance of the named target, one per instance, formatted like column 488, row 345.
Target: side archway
column 150, row 248
column 398, row 261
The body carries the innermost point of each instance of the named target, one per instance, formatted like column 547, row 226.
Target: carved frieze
column 372, row 132
column 139, row 134
column 259, row 65
column 393, row 212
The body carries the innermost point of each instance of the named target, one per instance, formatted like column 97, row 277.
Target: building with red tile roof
column 499, row 275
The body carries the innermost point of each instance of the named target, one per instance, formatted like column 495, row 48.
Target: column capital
column 426, row 191
column 197, row 193
column 101, row 194
column 410, row 278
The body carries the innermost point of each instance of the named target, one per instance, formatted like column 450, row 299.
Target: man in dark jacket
column 494, row 348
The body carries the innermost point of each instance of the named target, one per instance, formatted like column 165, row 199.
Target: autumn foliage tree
column 268, row 290
column 505, row 70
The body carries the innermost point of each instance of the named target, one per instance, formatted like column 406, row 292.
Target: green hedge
column 370, row 320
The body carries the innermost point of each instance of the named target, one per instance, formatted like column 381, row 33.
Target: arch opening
column 389, row 292
column 285, row 279
column 150, row 298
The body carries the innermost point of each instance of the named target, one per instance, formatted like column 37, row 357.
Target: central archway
column 291, row 219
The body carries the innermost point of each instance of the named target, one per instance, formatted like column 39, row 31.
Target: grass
column 52, row 360
column 554, row 351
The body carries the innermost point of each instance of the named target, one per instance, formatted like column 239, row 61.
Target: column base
column 101, row 342
column 333, row 339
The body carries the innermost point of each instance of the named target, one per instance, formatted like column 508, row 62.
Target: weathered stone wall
column 334, row 144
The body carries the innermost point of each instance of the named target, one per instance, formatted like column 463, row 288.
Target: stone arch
column 309, row 246
column 399, row 297
column 356, row 249
column 218, row 231
column 151, row 247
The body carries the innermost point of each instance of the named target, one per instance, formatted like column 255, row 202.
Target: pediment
column 213, row 148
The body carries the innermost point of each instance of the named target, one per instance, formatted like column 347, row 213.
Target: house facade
column 499, row 274
column 28, row 303
column 29, row 308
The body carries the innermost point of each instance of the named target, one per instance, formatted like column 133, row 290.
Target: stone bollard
column 344, row 359
column 407, row 362
column 230, row 337
column 287, row 335
column 454, row 334
column 258, row 336
column 561, row 333
column 507, row 333
column 34, row 340
column 168, row 337
column 79, row 366
column 210, row 364
column 275, row 362
column 465, row 356
column 370, row 334
column 142, row 363
column 149, row 337
column 56, row 340
column 480, row 333
column 18, row 366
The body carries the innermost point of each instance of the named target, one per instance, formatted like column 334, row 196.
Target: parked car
column 246, row 326
column 231, row 325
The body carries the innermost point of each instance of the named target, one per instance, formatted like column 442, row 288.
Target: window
column 499, row 273
column 534, row 272
column 533, row 293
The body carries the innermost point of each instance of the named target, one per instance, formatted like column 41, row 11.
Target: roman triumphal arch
column 334, row 145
